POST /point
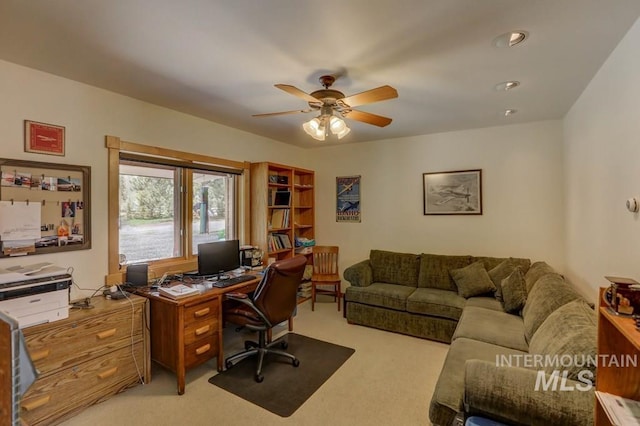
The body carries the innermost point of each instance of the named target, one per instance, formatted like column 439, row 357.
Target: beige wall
column 522, row 194
column 553, row 191
column 89, row 114
column 602, row 168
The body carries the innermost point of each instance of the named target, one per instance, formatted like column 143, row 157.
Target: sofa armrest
column 360, row 274
column 509, row 394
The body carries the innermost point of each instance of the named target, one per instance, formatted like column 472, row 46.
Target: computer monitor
column 218, row 257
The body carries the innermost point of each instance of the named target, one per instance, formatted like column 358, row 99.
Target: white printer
column 35, row 294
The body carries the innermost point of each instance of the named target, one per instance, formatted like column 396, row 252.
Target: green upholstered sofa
column 500, row 364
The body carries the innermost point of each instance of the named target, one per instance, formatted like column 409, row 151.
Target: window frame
column 188, row 261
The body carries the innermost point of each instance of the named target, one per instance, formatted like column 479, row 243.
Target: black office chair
column 273, row 301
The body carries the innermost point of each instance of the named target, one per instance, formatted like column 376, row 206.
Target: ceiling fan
column 333, row 104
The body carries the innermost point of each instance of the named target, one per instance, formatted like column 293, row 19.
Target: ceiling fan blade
column 367, row 117
column 297, row 92
column 270, row 114
column 381, row 93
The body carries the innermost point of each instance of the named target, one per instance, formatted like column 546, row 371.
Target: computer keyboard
column 233, row 280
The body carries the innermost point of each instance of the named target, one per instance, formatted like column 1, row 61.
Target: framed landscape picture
column 455, row 192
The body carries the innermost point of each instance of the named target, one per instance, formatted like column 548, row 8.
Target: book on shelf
column 279, row 218
column 178, row 291
column 304, row 293
column 285, row 242
column 304, row 289
column 279, row 241
column 305, row 285
column 282, row 198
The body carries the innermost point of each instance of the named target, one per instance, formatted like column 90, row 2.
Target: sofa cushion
column 394, row 268
column 570, row 333
column 514, row 292
column 447, row 396
column 436, row 302
column 503, row 269
column 434, row 270
column 472, row 280
column 549, row 293
column 497, row 328
column 537, row 270
column 484, row 302
column 385, row 295
column 492, row 262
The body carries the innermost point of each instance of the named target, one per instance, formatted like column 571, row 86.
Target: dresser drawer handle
column 110, row 372
column 203, row 349
column 106, row 333
column 202, row 312
column 200, row 331
column 36, row 403
column 41, row 354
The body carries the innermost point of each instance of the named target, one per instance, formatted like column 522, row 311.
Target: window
column 163, row 203
column 150, row 217
column 213, row 208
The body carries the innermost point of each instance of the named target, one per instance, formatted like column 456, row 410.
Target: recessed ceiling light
column 510, row 39
column 509, row 112
column 507, row 85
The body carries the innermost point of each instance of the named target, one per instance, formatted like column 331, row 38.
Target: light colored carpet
column 388, row 381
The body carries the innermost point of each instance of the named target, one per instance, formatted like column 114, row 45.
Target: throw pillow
column 514, row 292
column 499, row 273
column 472, row 280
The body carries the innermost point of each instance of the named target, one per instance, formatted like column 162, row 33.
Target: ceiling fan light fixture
column 314, row 128
column 338, row 127
column 343, row 133
column 336, row 124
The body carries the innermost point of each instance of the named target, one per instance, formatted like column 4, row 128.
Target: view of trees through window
column 150, row 216
column 213, row 209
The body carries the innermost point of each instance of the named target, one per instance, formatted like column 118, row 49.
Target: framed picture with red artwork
column 43, row 138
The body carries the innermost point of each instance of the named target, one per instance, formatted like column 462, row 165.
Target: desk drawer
column 200, row 330
column 205, row 311
column 201, row 351
column 59, row 347
column 81, row 385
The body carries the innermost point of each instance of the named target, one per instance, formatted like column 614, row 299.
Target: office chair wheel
column 296, row 362
column 284, row 344
column 248, row 345
column 228, row 364
column 259, row 378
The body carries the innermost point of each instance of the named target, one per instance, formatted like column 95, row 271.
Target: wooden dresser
column 86, row 358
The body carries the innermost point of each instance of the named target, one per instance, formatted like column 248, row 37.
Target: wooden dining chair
column 325, row 278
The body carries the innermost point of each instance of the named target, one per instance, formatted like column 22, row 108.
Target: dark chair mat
column 285, row 388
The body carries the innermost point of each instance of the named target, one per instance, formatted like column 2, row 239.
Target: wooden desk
column 188, row 332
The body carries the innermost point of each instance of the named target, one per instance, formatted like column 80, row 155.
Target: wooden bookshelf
column 619, row 338
column 295, row 220
column 271, row 218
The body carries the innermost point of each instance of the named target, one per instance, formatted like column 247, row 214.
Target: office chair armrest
column 244, row 299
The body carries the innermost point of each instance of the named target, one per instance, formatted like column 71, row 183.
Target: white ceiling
column 219, row 59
